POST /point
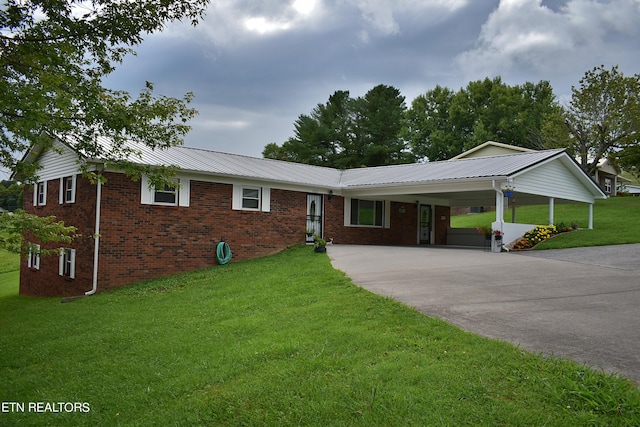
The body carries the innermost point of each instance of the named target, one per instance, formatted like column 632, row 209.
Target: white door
column 314, row 216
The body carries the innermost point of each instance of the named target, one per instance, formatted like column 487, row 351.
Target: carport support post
column 551, row 209
column 590, row 216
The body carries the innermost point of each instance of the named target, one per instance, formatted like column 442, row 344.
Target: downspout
column 96, row 239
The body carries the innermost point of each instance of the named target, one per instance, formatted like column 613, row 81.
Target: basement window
column 33, row 257
column 67, row 266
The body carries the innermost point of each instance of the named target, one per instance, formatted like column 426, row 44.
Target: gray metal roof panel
column 461, row 169
column 234, row 165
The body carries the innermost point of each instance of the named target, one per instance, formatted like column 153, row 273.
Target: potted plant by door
column 320, row 245
column 310, row 239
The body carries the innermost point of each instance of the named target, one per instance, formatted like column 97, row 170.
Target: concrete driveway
column 582, row 304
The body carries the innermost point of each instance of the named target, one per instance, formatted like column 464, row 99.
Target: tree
column 54, row 55
column 602, row 118
column 347, row 133
column 443, row 123
column 10, row 195
column 378, row 122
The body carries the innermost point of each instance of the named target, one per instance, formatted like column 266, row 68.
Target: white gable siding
column 491, row 151
column 552, row 179
column 55, row 164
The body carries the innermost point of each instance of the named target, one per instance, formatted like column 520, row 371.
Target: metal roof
column 218, row 163
column 449, row 170
column 215, row 163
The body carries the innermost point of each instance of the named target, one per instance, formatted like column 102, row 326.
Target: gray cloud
column 255, row 66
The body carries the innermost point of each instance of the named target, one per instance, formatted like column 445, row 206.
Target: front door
column 425, row 224
column 314, row 216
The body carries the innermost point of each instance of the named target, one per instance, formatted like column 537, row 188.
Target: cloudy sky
column 256, row 65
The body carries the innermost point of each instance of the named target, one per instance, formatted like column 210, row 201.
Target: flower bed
column 533, row 237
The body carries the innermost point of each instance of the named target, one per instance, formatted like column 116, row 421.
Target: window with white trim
column 68, row 189
column 33, row 257
column 40, row 194
column 67, row 266
column 607, row 185
column 367, row 212
column 167, row 195
column 251, row 198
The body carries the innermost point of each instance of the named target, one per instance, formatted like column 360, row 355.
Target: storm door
column 314, row 216
column 425, row 224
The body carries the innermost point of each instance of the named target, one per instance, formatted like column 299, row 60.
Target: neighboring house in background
column 131, row 231
column 491, row 148
column 632, row 190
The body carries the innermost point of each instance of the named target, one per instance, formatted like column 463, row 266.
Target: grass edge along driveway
column 281, row 340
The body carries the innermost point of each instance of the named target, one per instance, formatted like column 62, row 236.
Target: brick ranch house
column 131, row 231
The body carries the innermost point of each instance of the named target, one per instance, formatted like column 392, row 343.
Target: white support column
column 590, row 216
column 499, row 206
column 551, row 210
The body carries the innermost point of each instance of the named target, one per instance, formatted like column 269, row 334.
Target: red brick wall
column 140, row 242
column 46, row 281
column 403, row 231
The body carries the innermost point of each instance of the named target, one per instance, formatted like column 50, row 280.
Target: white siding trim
column 265, row 202
column 552, row 179
column 57, row 162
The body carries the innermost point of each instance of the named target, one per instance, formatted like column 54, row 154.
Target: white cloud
column 525, row 33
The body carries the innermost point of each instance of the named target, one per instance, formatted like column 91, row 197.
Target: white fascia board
column 235, row 179
column 452, row 186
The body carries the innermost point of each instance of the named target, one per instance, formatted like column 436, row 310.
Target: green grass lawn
column 615, row 221
column 277, row 341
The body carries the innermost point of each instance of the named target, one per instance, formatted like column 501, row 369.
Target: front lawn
column 281, row 340
column 615, row 222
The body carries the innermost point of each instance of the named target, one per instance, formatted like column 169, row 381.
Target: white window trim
column 72, row 261
column 386, row 212
column 33, row 258
column 147, row 195
column 264, row 203
column 36, row 193
column 63, row 190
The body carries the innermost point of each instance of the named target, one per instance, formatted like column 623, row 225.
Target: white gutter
column 96, row 239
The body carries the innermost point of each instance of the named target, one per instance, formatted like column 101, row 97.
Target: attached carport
column 535, row 177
